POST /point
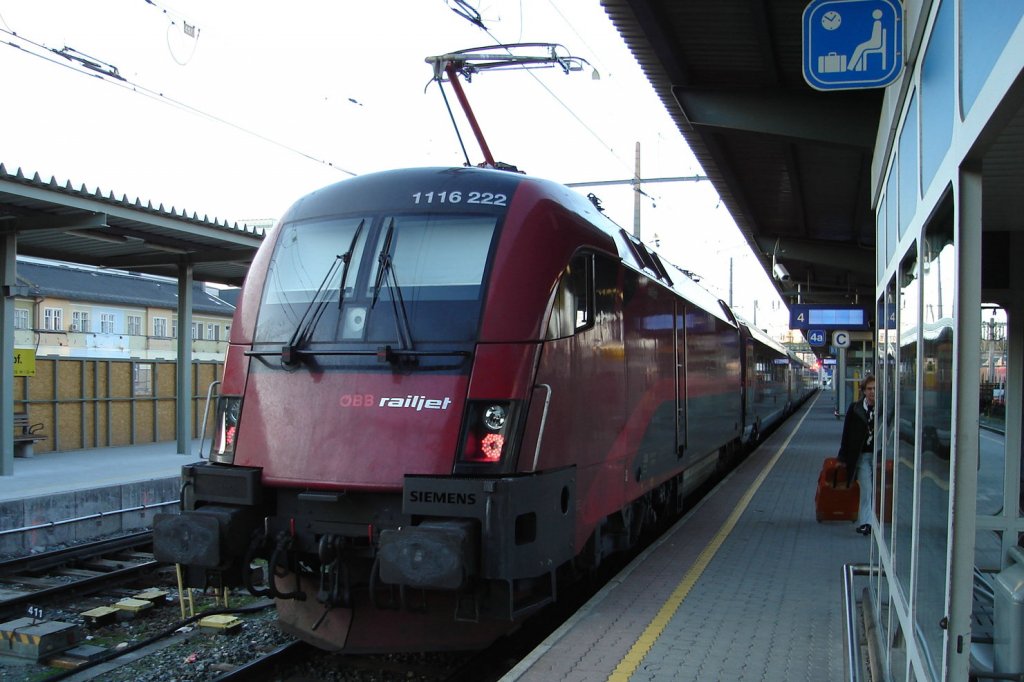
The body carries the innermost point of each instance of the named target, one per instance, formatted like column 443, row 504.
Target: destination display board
column 805, row 316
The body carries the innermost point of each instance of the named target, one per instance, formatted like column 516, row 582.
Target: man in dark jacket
column 856, row 447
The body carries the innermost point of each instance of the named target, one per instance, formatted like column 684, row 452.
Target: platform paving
column 59, row 472
column 748, row 586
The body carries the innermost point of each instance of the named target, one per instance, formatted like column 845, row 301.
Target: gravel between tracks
column 199, row 656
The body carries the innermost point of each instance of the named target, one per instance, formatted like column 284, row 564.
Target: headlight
column 494, row 417
column 225, row 433
column 488, row 437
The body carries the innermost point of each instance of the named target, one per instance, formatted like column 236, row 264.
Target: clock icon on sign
column 830, row 20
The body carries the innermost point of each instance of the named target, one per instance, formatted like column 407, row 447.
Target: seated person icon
column 875, row 44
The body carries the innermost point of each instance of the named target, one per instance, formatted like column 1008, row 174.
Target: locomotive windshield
column 407, row 279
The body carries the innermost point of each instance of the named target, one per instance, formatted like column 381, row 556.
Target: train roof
column 761, row 336
column 371, row 191
column 637, row 255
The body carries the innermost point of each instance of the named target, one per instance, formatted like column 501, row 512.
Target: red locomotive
column 445, row 385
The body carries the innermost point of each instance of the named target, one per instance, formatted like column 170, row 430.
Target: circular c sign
column 841, row 339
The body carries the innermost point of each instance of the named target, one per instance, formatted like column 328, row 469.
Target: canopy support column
column 183, row 426
column 9, row 280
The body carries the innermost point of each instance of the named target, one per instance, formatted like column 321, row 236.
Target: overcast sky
column 272, row 100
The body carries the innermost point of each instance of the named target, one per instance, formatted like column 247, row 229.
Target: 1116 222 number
column 457, row 197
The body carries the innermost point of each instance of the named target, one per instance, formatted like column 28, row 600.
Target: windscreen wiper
column 315, row 310
column 347, row 258
column 386, row 275
column 383, row 257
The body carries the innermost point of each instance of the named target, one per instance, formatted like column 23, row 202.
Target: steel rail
column 58, row 557
column 51, row 560
column 260, row 668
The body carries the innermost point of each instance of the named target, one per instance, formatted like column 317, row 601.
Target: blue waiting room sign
column 852, row 44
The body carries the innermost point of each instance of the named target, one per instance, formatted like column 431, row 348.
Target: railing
column 88, row 517
column 853, row 671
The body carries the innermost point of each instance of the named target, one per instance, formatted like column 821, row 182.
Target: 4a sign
column 816, row 337
column 852, row 44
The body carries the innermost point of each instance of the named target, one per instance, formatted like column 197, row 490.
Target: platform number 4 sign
column 816, row 337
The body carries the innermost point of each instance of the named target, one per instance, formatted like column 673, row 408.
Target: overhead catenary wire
column 110, row 75
column 190, row 30
column 464, row 10
column 572, row 28
column 170, row 48
column 569, row 109
column 565, row 106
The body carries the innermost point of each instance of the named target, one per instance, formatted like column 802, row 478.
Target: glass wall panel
column 882, row 614
column 880, row 252
column 938, row 86
column 897, row 647
column 986, row 562
column 992, row 416
column 909, row 303
column 892, row 214
column 938, row 263
column 886, row 319
column 985, row 27
column 908, row 166
column 888, row 400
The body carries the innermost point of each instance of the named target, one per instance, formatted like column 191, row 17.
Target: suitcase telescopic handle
column 835, row 475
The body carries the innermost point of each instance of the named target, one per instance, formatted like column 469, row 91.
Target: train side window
column 573, row 307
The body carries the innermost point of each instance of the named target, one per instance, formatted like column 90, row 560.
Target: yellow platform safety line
column 635, row 656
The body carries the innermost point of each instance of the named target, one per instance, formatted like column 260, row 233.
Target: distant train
column 445, row 387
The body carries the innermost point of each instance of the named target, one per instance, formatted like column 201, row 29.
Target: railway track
column 300, row 661
column 262, row 667
column 82, row 569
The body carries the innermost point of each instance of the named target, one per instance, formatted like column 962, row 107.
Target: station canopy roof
column 59, row 222
column 793, row 165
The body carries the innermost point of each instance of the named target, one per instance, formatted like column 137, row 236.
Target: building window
column 174, row 328
column 160, row 326
column 53, row 319
column 20, row 318
column 227, row 331
column 211, row 332
column 80, row 321
column 196, row 328
column 134, row 325
column 142, row 379
column 107, row 323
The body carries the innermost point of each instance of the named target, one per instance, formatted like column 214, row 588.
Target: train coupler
column 335, row 587
column 278, row 559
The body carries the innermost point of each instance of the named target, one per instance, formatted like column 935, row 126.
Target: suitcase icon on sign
column 832, row 62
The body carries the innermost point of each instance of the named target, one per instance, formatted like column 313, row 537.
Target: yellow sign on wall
column 24, row 362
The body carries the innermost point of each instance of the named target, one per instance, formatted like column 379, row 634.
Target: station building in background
column 96, row 353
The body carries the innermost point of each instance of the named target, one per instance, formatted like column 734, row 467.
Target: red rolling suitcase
column 834, row 499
